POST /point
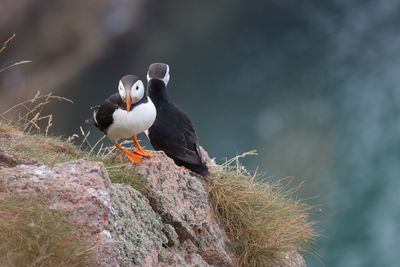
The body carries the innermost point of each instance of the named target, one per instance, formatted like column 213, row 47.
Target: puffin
column 126, row 114
column 172, row 131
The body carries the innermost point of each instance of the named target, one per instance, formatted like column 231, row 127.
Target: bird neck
column 158, row 92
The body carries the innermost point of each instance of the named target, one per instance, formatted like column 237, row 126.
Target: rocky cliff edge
column 171, row 224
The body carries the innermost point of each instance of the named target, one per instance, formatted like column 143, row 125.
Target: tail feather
column 201, row 169
column 93, row 120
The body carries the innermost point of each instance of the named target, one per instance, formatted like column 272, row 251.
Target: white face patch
column 121, row 90
column 137, row 91
column 165, row 79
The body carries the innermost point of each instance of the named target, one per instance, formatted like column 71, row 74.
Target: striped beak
column 128, row 100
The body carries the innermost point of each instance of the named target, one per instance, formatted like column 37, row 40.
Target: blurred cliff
column 61, row 38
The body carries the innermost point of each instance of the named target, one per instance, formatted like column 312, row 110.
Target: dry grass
column 4, row 47
column 33, row 235
column 37, row 148
column 27, row 136
column 31, row 119
column 262, row 221
column 27, row 139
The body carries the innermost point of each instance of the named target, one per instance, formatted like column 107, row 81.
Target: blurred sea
column 313, row 86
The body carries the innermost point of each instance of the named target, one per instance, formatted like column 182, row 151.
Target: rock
column 291, row 259
column 172, row 224
column 138, row 229
column 294, row 259
column 175, row 228
column 182, row 202
column 7, row 160
column 142, row 238
column 80, row 188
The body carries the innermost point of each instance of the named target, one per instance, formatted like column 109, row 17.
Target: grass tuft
column 4, row 47
column 33, row 235
column 32, row 121
column 262, row 221
column 42, row 150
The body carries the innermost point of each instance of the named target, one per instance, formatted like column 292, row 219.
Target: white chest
column 127, row 124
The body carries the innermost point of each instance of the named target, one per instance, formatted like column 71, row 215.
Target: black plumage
column 172, row 131
column 126, row 114
column 103, row 114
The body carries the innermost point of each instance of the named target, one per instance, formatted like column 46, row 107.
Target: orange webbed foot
column 132, row 156
column 140, row 150
column 144, row 152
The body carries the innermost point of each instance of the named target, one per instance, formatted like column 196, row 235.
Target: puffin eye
column 137, row 87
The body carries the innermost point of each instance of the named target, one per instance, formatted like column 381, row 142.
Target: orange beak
column 128, row 100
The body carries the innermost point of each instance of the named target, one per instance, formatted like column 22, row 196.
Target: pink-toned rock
column 182, row 202
column 80, row 188
column 177, row 229
column 172, row 225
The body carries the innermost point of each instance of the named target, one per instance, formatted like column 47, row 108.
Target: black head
column 158, row 71
column 131, row 89
column 128, row 80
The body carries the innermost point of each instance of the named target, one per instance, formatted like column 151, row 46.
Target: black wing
column 103, row 114
column 174, row 133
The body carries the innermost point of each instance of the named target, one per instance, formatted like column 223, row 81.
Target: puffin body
column 126, row 114
column 126, row 124
column 172, row 131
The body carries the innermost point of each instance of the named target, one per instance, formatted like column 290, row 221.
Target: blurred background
column 314, row 86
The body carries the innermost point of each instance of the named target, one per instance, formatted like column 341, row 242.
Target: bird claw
column 144, row 153
column 133, row 156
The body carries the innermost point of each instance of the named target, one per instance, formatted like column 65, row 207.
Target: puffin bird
column 126, row 114
column 172, row 131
